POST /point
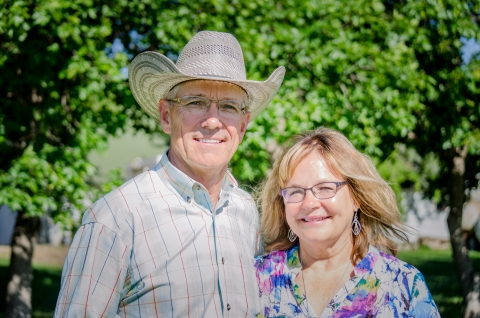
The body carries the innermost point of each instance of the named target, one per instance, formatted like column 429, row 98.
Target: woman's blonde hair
column 378, row 213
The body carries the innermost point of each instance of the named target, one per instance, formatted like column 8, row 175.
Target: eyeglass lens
column 199, row 105
column 324, row 190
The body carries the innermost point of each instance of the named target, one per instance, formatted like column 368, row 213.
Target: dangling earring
column 292, row 236
column 356, row 225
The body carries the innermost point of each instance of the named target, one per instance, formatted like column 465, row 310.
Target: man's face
column 206, row 142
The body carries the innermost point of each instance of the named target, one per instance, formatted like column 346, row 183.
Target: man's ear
column 243, row 127
column 165, row 118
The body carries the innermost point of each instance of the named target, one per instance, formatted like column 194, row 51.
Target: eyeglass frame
column 178, row 100
column 338, row 184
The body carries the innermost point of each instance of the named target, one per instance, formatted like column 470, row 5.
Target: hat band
column 211, row 75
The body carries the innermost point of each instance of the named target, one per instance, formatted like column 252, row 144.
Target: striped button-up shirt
column 156, row 246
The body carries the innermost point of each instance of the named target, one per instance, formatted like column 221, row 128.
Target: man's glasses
column 324, row 190
column 197, row 105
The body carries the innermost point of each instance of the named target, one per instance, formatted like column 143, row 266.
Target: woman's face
column 314, row 220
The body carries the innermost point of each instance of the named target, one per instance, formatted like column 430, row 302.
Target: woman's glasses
column 323, row 190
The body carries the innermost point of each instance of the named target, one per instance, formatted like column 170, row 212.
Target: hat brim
column 151, row 75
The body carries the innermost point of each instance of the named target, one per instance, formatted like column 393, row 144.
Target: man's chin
column 209, row 160
column 210, row 163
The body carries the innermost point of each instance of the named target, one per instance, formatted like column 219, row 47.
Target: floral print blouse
column 382, row 286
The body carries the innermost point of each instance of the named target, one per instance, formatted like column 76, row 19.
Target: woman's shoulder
column 380, row 260
column 403, row 284
column 277, row 258
column 391, row 270
column 269, row 258
column 275, row 272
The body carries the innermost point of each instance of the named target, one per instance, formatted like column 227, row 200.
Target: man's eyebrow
column 205, row 95
column 199, row 94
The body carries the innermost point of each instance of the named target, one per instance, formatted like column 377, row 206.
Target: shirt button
column 198, row 187
column 228, row 307
column 140, row 285
column 223, row 260
column 189, row 200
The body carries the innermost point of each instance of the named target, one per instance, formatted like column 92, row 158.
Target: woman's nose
column 310, row 201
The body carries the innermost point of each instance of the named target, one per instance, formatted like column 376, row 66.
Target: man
column 179, row 239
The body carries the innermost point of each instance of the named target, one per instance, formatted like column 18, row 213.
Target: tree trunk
column 469, row 279
column 19, row 288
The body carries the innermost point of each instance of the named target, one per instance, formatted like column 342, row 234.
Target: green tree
column 448, row 127
column 62, row 93
column 382, row 72
column 347, row 66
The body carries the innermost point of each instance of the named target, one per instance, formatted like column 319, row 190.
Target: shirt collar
column 365, row 265
column 185, row 186
column 294, row 266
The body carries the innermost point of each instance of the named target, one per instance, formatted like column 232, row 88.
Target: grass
column 436, row 266
column 45, row 288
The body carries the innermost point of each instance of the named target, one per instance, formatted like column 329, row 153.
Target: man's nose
column 212, row 117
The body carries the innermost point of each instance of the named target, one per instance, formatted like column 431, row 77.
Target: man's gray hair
column 173, row 92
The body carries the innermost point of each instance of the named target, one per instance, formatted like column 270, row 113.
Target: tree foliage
column 373, row 69
column 347, row 68
column 379, row 71
column 383, row 72
column 450, row 120
column 62, row 94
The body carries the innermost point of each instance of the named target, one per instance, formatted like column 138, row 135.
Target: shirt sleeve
column 93, row 274
column 260, row 250
column 421, row 301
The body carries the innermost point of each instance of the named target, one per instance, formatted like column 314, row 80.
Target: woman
column 328, row 220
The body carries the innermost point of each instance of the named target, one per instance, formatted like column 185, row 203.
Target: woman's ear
column 356, row 205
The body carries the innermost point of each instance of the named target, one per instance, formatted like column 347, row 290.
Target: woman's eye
column 325, row 189
column 296, row 192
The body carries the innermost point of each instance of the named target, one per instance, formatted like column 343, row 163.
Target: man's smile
column 208, row 141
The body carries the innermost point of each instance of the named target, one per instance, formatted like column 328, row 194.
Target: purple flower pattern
column 382, row 286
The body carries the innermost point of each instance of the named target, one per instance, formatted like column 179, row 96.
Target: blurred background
column 400, row 78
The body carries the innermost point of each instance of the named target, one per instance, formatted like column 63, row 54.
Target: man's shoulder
column 242, row 194
column 115, row 207
column 145, row 183
column 231, row 185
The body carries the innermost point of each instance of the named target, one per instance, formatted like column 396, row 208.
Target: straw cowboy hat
column 207, row 56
